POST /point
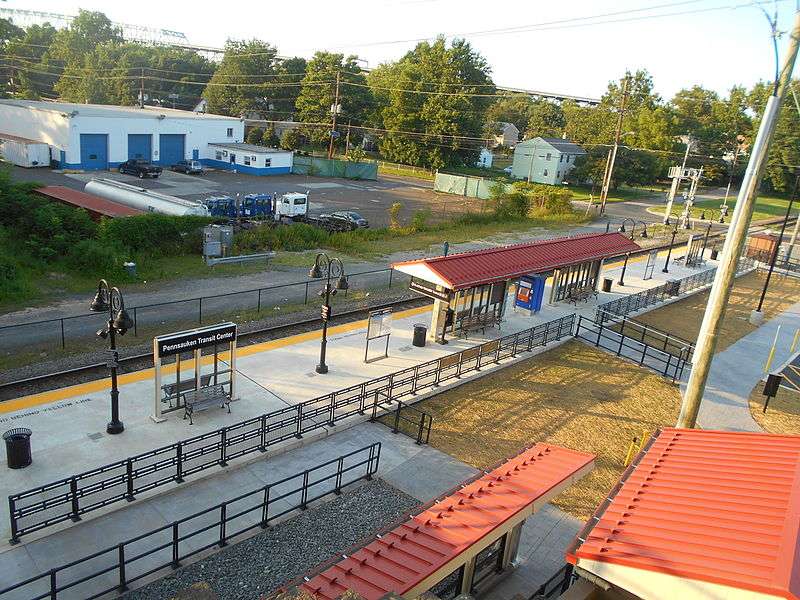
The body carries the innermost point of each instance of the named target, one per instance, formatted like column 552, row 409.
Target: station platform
column 69, row 424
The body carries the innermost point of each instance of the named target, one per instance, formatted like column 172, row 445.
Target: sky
column 561, row 47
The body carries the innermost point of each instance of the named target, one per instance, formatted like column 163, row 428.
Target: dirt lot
column 574, row 396
column 683, row 318
column 783, row 412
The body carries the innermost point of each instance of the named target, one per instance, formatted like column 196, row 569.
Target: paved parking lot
column 326, row 194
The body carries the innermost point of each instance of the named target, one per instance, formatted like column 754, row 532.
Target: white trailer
column 293, row 205
column 24, row 152
column 144, row 199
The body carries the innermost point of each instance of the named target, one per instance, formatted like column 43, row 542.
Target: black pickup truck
column 140, row 168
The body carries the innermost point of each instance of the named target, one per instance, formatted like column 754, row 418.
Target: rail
column 635, row 302
column 59, row 333
column 72, row 497
column 408, row 419
column 653, row 336
column 166, row 546
column 665, row 363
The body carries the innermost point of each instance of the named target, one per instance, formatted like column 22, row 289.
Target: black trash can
column 18, row 447
column 714, row 253
column 607, row 284
column 420, row 333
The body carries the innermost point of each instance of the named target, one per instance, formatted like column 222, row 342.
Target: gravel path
column 261, row 564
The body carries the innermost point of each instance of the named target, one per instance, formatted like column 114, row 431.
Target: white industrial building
column 545, row 160
column 96, row 137
column 249, row 158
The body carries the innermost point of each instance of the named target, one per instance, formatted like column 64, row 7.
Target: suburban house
column 507, row 135
column 545, row 160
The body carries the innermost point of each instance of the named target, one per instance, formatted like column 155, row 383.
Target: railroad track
column 73, row 376
column 67, row 377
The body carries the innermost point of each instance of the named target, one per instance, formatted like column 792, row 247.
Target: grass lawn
column 622, row 194
column 783, row 413
column 573, row 395
column 683, row 318
column 767, row 207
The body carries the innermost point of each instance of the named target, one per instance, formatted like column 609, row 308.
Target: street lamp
column 669, row 250
column 327, row 267
column 622, row 229
column 119, row 321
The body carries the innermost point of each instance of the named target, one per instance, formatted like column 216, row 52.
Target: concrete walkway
column 739, row 368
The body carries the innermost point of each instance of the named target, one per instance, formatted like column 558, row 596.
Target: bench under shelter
column 470, row 289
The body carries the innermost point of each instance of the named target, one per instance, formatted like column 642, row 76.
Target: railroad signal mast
column 678, row 176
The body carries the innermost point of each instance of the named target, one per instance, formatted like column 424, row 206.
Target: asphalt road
column 326, row 194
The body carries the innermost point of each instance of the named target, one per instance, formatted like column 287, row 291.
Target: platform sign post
column 379, row 326
column 193, row 340
column 651, row 265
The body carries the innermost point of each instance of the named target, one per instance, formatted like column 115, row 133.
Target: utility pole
column 347, row 140
column 141, row 89
column 617, row 136
column 734, row 242
column 335, row 111
column 777, row 247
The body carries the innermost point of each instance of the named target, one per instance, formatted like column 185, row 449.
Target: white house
column 93, row 136
column 508, row 135
column 485, row 159
column 249, row 158
column 545, row 160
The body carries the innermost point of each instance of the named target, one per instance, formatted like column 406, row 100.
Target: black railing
column 151, row 318
column 635, row 302
column 558, row 583
column 407, row 419
column 168, row 545
column 658, row 338
column 662, row 362
column 71, row 497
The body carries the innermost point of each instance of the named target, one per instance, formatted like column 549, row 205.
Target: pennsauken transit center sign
column 194, row 339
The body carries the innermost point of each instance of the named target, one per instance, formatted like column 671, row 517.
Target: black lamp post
column 705, row 242
column 327, row 267
column 624, row 268
column 669, row 250
column 119, row 321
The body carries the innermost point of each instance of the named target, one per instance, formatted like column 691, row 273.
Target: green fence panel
column 472, row 187
column 322, row 167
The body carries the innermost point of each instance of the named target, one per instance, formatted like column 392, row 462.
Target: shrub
column 154, row 234
column 296, row 237
column 93, row 257
column 420, row 219
column 8, row 270
column 394, row 215
column 254, row 136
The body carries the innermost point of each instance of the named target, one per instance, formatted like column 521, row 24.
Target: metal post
column 63, row 339
column 73, row 492
column 200, row 312
column 624, row 268
column 115, row 425
column 179, row 463
column 14, row 531
column 223, row 445
column 258, row 309
column 123, row 584
column 734, row 242
column 222, row 523
column 175, row 541
column 777, row 247
column 669, row 250
column 129, row 480
column 53, row 587
column 265, row 508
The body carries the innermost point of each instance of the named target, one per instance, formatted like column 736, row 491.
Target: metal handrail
column 123, row 479
column 266, row 498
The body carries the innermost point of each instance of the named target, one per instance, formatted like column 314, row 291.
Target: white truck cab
column 293, row 205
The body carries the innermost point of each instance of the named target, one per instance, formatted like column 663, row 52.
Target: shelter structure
column 698, row 515
column 470, row 288
column 462, row 543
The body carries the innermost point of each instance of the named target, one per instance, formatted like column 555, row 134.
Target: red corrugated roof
column 406, row 556
column 507, row 262
column 93, row 204
column 715, row 506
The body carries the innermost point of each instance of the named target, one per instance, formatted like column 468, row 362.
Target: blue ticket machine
column 530, row 291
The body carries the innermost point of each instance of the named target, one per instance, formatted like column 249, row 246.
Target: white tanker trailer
column 144, row 199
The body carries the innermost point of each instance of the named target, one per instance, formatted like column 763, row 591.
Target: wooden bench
column 205, row 397
column 581, row 293
column 172, row 392
column 477, row 322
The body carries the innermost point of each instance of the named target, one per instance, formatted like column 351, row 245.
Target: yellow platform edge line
column 104, row 384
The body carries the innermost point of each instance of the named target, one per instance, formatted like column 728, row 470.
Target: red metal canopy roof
column 407, row 555
column 715, row 506
column 93, row 204
column 468, row 269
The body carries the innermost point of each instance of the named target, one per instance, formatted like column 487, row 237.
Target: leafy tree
column 269, row 138
column 438, row 90
column 290, row 140
column 245, row 79
column 318, row 90
column 514, row 108
column 546, row 120
column 254, row 136
column 29, row 77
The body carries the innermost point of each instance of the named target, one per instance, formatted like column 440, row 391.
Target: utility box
column 217, row 240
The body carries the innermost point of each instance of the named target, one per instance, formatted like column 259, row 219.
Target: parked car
column 354, row 219
column 190, row 167
column 507, row 170
column 139, row 167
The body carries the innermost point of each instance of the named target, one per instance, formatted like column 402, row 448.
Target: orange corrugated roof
column 716, row 506
column 468, row 269
column 404, row 557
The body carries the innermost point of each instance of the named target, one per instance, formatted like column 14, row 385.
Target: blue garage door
column 94, row 151
column 140, row 145
column 171, row 148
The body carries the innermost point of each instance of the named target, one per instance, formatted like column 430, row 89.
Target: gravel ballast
column 261, row 564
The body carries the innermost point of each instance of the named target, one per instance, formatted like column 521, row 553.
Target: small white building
column 508, row 135
column 485, row 159
column 545, row 160
column 99, row 137
column 249, row 158
column 24, row 152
